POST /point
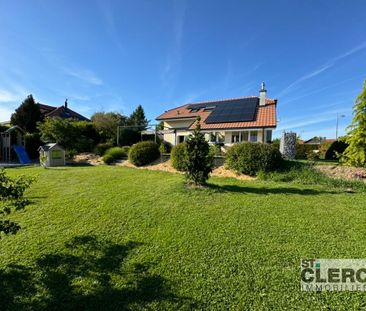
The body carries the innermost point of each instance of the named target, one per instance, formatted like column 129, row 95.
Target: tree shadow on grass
column 89, row 275
column 266, row 191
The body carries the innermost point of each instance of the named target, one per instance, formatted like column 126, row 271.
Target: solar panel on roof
column 198, row 106
column 240, row 110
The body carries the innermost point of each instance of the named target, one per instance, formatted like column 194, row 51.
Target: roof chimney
column 262, row 95
column 66, row 103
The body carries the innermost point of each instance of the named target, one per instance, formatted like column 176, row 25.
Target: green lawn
column 116, row 238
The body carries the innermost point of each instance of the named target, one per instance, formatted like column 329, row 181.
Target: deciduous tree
column 355, row 153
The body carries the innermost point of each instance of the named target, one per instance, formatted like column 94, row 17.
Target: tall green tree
column 27, row 115
column 106, row 124
column 199, row 158
column 355, row 153
column 138, row 119
column 79, row 136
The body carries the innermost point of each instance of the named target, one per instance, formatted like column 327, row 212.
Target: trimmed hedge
column 251, row 158
column 179, row 157
column 143, row 153
column 337, row 147
column 302, row 150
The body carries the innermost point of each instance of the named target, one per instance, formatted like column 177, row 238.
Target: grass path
column 135, row 239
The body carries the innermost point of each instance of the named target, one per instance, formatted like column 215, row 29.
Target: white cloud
column 6, row 96
column 329, row 64
column 5, row 111
column 83, row 74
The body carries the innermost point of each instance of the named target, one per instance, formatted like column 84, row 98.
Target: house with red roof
column 226, row 121
column 63, row 112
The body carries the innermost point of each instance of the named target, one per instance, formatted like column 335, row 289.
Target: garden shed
column 51, row 155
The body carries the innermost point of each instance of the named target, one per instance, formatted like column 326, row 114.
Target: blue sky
column 113, row 55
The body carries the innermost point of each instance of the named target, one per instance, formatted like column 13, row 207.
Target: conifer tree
column 199, row 162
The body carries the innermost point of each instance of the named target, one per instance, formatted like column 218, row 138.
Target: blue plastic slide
column 22, row 154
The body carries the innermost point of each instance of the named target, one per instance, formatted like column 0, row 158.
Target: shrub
column 199, row 158
column 165, row 147
column 179, row 157
column 108, row 158
column 70, row 153
column 101, row 148
column 302, row 150
column 32, row 143
column 250, row 158
column 216, row 150
column 126, row 149
column 143, row 153
column 323, row 148
column 117, row 153
column 71, row 134
column 313, row 156
column 335, row 150
column 12, row 198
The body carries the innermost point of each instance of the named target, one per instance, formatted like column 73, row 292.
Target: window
column 220, row 137
column 209, row 108
column 268, row 136
column 212, row 138
column 195, row 109
column 244, row 136
column 180, row 139
column 235, row 137
column 56, row 154
column 253, row 136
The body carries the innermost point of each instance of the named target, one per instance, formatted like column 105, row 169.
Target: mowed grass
column 115, row 238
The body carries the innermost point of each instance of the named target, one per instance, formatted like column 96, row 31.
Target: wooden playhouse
column 51, row 155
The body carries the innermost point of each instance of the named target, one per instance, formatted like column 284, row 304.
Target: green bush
column 251, row 158
column 165, row 147
column 71, row 134
column 178, row 157
column 323, row 148
column 143, row 153
column 101, row 148
column 126, row 149
column 12, row 198
column 32, row 143
column 302, row 150
column 335, row 149
column 313, row 156
column 70, row 153
column 108, row 159
column 117, row 153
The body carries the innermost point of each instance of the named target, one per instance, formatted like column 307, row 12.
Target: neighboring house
column 63, row 112
column 318, row 141
column 225, row 121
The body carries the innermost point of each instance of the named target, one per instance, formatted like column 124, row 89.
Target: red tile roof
column 265, row 116
column 61, row 112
